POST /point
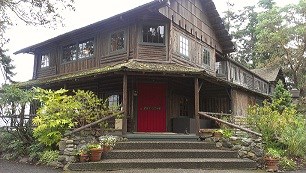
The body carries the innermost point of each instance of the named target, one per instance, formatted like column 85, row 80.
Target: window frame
column 48, row 60
column 77, row 51
column 152, row 24
column 206, row 51
column 184, row 46
column 124, row 41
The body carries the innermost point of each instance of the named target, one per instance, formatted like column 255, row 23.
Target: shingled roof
column 269, row 73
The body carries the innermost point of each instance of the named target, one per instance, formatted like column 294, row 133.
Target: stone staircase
column 166, row 153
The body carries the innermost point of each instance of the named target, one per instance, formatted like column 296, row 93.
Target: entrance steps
column 154, row 154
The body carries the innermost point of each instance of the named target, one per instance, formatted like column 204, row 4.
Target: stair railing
column 91, row 124
column 204, row 114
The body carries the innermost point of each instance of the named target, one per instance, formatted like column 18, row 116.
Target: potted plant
column 272, row 157
column 95, row 152
column 84, row 154
column 108, row 142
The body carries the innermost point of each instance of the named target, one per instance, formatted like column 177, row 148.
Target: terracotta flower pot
column 84, row 158
column 95, row 154
column 271, row 164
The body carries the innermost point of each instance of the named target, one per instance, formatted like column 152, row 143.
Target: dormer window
column 153, row 34
column 45, row 59
column 80, row 50
column 117, row 41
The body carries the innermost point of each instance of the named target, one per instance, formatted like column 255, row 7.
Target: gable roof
column 213, row 15
column 268, row 73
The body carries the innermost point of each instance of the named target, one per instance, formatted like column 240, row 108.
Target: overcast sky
column 87, row 12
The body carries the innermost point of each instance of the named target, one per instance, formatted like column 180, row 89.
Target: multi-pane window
column 183, row 106
column 45, row 60
column 184, row 46
column 206, row 56
column 234, row 73
column 86, row 49
column 117, row 41
column 83, row 49
column 245, row 78
column 114, row 101
column 70, row 53
column 153, row 34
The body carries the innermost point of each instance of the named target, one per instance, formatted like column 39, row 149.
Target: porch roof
column 130, row 65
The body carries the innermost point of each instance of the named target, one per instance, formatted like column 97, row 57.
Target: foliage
column 84, row 150
column 287, row 164
column 35, row 151
column 13, row 103
column 55, row 116
column 280, row 124
column 31, row 12
column 10, row 146
column 108, row 140
column 93, row 145
column 60, row 112
column 47, row 157
column 273, row 153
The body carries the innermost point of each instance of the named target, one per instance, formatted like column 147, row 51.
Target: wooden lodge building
column 163, row 61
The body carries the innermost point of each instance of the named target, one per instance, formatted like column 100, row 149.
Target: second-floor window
column 45, row 60
column 82, row 49
column 184, row 46
column 234, row 73
column 153, row 34
column 117, row 41
column 206, row 56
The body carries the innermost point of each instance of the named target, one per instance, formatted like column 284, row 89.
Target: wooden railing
column 91, row 124
column 204, row 114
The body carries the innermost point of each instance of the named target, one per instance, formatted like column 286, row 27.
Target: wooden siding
column 241, row 101
column 190, row 15
column 47, row 71
column 195, row 50
column 152, row 52
column 78, row 65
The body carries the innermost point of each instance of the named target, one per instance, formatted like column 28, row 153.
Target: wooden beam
column 125, row 105
column 197, row 104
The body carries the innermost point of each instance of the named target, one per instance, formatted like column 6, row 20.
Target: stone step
column 161, row 137
column 189, row 163
column 169, row 153
column 133, row 145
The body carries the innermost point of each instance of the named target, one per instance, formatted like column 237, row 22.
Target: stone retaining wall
column 247, row 147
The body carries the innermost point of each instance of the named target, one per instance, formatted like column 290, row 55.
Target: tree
column 282, row 39
column 32, row 12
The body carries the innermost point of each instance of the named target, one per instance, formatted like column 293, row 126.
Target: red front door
column 151, row 107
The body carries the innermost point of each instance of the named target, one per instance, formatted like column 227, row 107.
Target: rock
column 258, row 152
column 245, row 148
column 62, row 158
column 251, row 155
column 71, row 159
column 69, row 141
column 24, row 160
column 70, row 146
column 218, row 144
column 246, row 142
column 236, row 147
column 62, row 145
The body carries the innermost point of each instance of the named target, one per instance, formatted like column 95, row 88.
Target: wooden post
column 125, row 105
column 197, row 104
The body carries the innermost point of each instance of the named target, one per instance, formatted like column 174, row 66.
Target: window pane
column 86, row 49
column 206, row 56
column 184, row 46
column 45, row 60
column 117, row 41
column 69, row 53
column 153, row 34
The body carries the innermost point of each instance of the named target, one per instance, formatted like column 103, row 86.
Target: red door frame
column 151, row 107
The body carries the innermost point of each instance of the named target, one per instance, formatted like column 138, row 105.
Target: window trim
column 184, row 49
column 125, row 41
column 41, row 60
column 76, row 44
column 153, row 23
column 206, row 49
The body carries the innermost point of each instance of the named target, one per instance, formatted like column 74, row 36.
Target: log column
column 124, row 105
column 196, row 104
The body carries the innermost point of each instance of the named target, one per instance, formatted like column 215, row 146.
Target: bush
column 280, row 124
column 47, row 157
column 11, row 147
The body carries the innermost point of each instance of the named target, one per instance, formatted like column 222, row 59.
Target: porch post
column 196, row 104
column 124, row 105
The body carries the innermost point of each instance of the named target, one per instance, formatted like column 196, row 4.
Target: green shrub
column 11, row 147
column 47, row 157
column 287, row 164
